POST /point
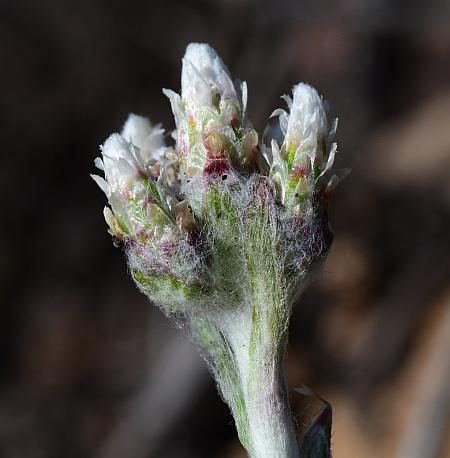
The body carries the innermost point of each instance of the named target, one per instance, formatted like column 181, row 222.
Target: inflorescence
column 222, row 229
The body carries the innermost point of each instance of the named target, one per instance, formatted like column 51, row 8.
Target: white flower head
column 307, row 125
column 136, row 165
column 126, row 157
column 212, row 131
column 306, row 153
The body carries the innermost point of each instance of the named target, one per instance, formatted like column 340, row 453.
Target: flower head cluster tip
column 222, row 228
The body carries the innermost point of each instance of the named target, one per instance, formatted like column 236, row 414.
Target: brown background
column 87, row 367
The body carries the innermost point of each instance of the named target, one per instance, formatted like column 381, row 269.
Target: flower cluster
column 222, row 228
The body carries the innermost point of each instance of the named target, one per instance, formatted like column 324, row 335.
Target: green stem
column 270, row 422
column 245, row 340
column 252, row 383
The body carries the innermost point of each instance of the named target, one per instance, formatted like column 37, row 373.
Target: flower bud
column 305, row 154
column 213, row 133
column 141, row 179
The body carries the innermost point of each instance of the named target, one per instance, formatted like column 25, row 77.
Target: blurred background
column 88, row 368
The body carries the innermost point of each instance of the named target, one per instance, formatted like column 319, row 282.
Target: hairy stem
column 270, row 422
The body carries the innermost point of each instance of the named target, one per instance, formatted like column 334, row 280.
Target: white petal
column 99, row 163
column 244, row 92
column 153, row 146
column 176, row 105
column 333, row 129
column 284, row 122
column 330, row 161
column 126, row 169
column 136, row 129
column 277, row 112
column 195, row 90
column 102, row 184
